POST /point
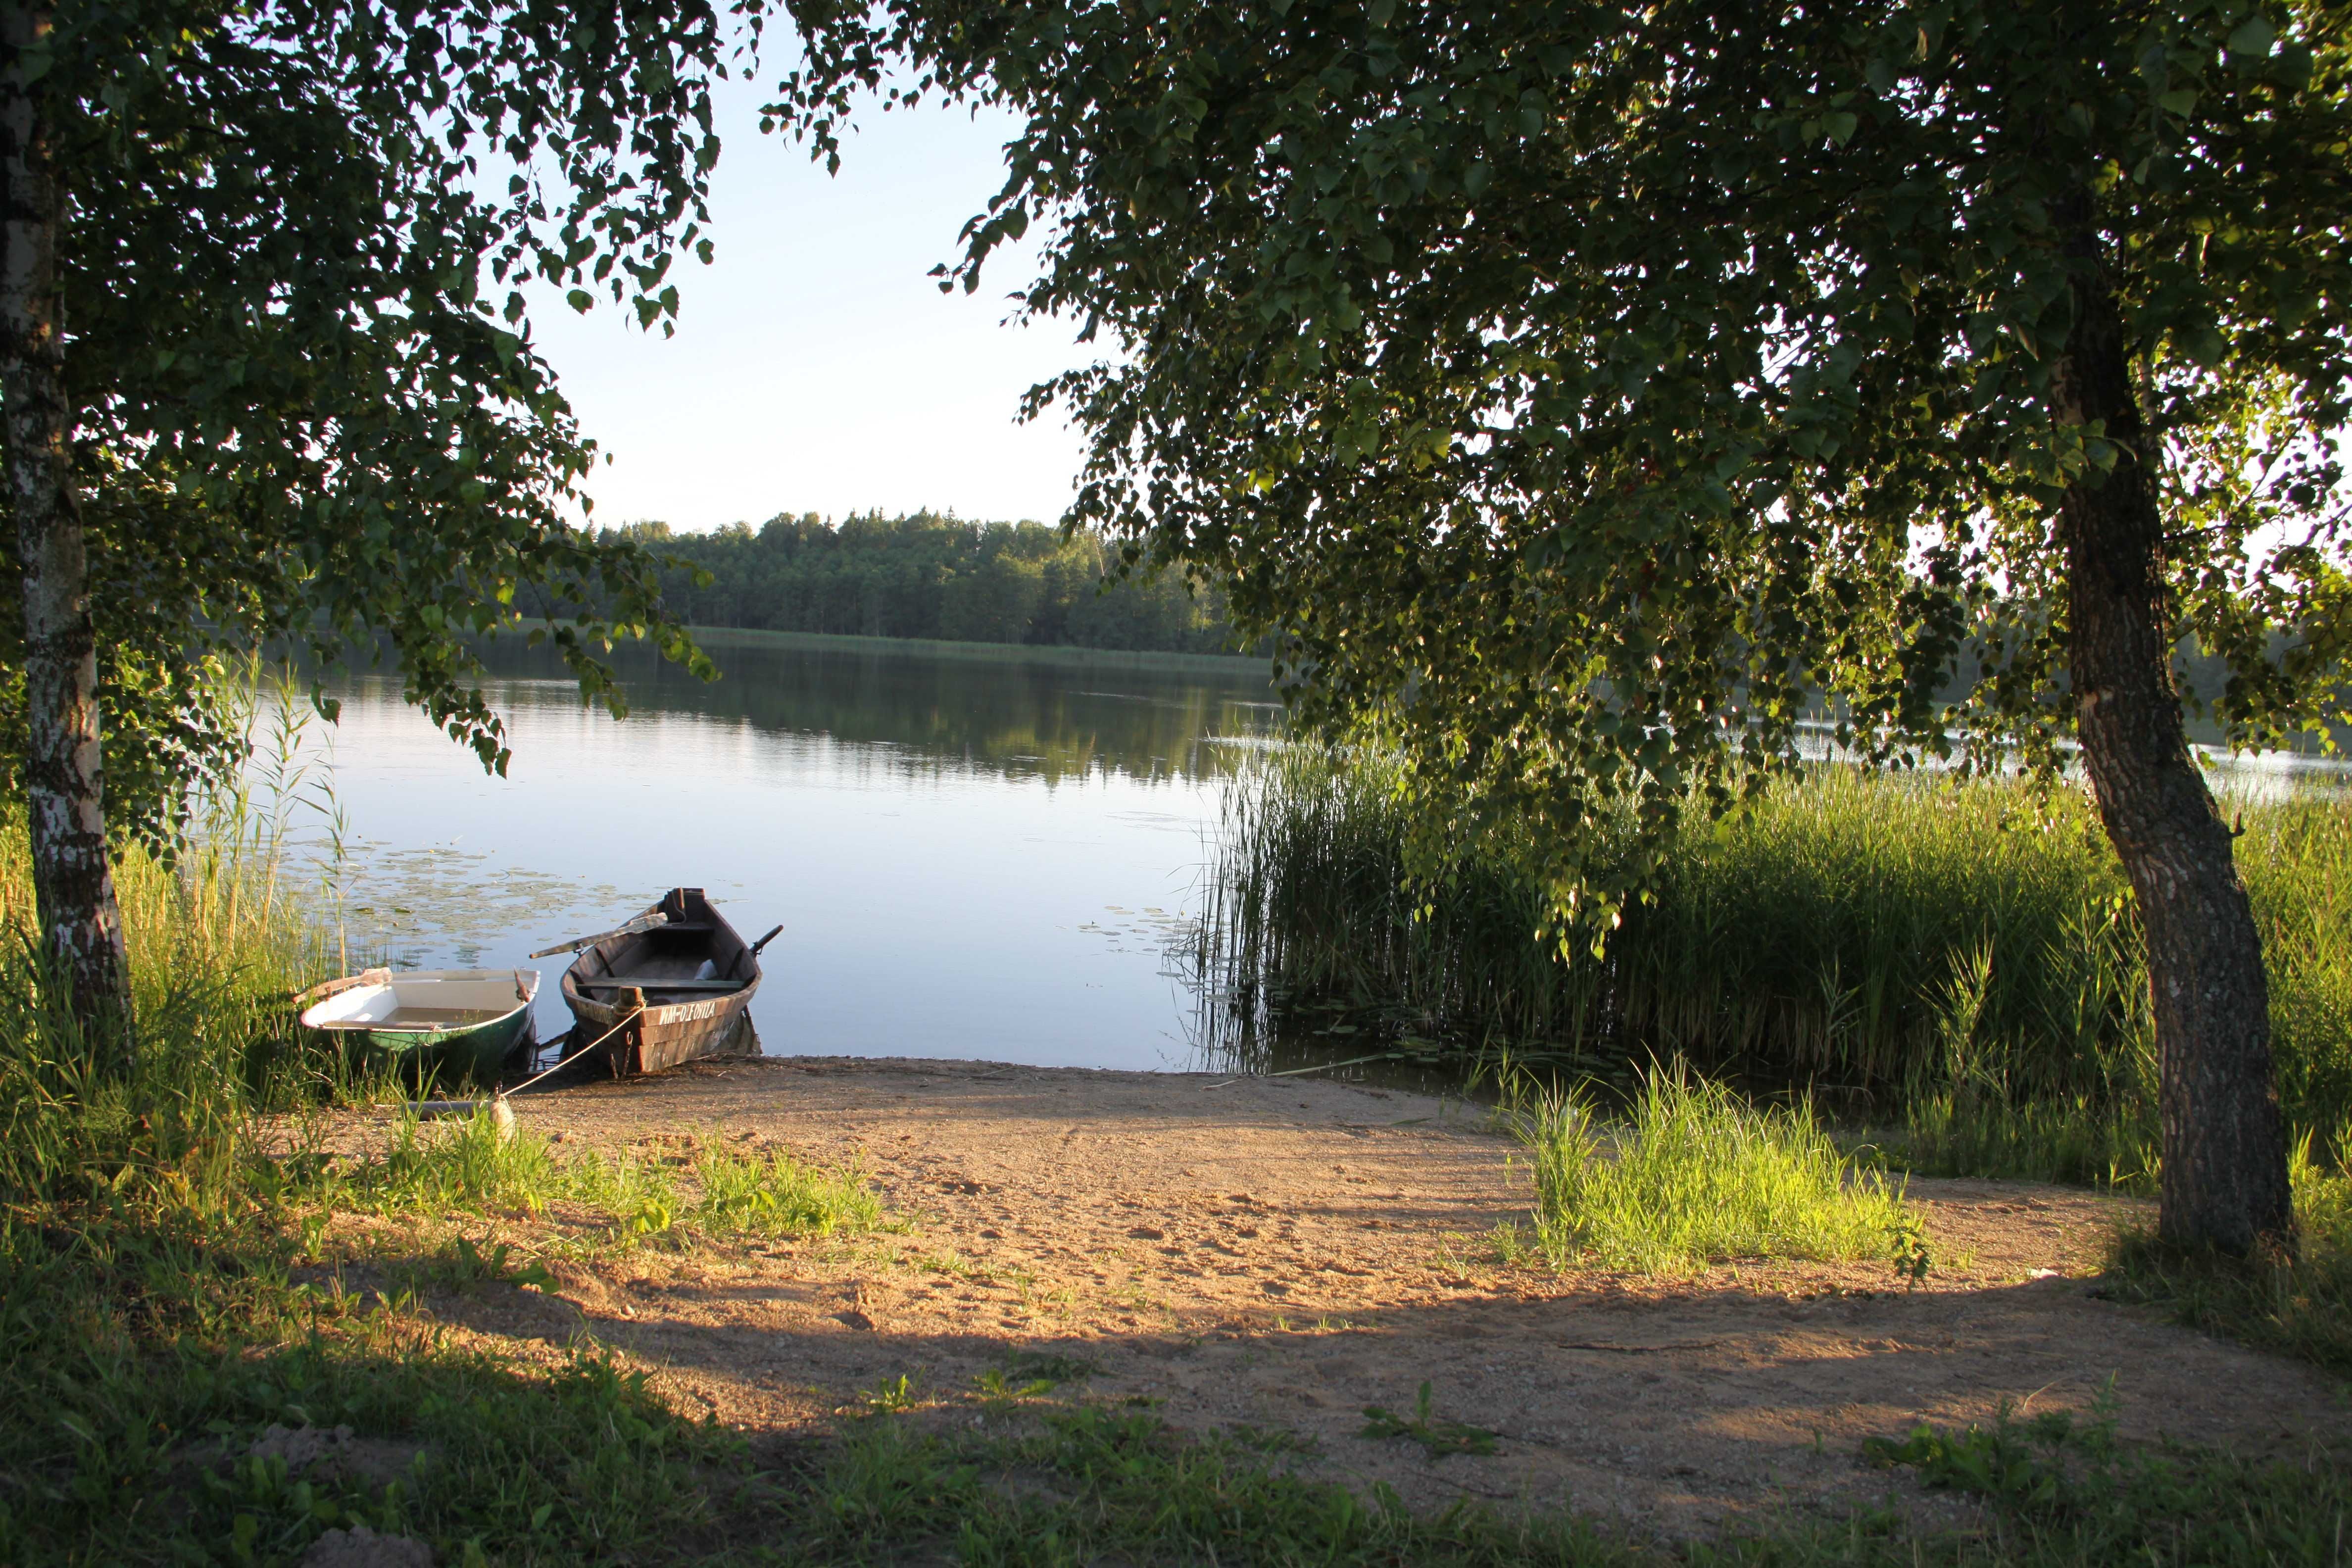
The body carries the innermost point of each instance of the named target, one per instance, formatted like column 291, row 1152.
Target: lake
column 973, row 853
column 970, row 856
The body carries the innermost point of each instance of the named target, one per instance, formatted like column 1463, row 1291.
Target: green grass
column 2061, row 1491
column 144, row 1351
column 771, row 1193
column 1959, row 964
column 2300, row 1305
column 213, row 956
column 709, row 1190
column 1693, row 1175
column 1096, row 1485
column 158, row 1310
column 1438, row 1437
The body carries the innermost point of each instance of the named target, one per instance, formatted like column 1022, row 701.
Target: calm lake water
column 971, row 858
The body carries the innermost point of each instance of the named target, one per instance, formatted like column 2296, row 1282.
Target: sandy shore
column 1279, row 1254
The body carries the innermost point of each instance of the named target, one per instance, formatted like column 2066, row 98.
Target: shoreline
column 989, row 652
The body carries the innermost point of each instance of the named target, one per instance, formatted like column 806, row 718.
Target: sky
column 817, row 367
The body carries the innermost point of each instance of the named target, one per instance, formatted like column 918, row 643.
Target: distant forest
column 928, row 576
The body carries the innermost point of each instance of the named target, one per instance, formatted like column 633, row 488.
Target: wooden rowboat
column 438, row 1024
column 666, row 990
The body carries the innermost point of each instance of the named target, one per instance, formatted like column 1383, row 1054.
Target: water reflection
column 1046, row 717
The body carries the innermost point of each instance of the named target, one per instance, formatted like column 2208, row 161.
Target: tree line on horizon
column 930, row 575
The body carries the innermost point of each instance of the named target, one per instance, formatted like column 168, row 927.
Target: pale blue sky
column 816, row 368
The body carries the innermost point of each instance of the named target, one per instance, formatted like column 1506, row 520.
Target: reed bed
column 222, row 925
column 1958, row 959
column 213, row 961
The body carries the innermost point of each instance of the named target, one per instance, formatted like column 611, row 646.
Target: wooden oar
column 653, row 983
column 340, row 983
column 765, row 941
column 643, row 923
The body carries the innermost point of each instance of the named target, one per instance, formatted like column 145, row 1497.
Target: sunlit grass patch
column 710, row 1192
column 769, row 1193
column 1694, row 1174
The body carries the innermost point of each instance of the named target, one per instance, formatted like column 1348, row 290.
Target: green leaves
column 2253, row 37
column 300, row 416
column 1591, row 405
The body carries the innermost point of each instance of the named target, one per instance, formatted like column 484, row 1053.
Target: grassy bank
column 173, row 1259
column 1963, row 962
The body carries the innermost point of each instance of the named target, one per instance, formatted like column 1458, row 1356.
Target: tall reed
column 1964, row 957
column 221, row 929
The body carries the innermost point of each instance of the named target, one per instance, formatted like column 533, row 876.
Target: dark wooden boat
column 675, row 983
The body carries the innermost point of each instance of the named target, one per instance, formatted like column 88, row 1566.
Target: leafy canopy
column 1583, row 392
column 306, row 400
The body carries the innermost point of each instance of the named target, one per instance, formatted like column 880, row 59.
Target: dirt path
column 1280, row 1254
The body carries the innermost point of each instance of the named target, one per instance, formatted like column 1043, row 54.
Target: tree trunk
column 2224, row 1181
column 73, row 885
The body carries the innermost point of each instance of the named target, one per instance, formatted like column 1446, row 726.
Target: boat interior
column 696, row 954
column 427, row 1000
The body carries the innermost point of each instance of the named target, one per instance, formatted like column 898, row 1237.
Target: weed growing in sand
column 1694, row 1174
column 1913, row 1259
column 468, row 1265
column 1454, row 1260
column 1273, row 1440
column 998, row 1391
column 1050, row 1367
column 951, row 1263
column 1439, row 1438
column 2022, row 1463
column 1514, row 1247
column 892, row 1397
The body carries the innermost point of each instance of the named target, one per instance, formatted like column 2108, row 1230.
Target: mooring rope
column 562, row 1062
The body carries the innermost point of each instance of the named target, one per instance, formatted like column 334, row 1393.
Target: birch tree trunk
column 82, row 927
column 2224, row 1184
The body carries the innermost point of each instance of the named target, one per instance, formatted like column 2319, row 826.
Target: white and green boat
column 443, row 1025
